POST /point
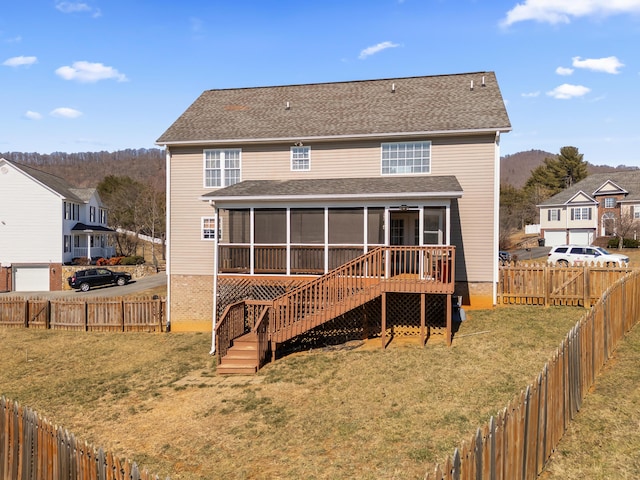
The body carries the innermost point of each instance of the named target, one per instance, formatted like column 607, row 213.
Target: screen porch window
column 221, row 167
column 300, row 158
column 406, row 157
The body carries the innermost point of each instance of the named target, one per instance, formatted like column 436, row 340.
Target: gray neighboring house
column 592, row 208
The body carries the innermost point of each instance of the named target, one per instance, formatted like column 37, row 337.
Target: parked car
column 580, row 254
column 94, row 277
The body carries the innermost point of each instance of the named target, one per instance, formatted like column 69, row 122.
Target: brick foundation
column 191, row 303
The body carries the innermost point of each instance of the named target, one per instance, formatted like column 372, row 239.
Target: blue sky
column 107, row 75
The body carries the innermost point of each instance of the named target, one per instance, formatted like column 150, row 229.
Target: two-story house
column 45, row 223
column 592, row 208
column 271, row 188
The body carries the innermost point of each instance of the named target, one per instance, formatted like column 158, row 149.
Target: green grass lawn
column 354, row 411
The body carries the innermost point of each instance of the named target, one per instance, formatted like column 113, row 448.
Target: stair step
column 235, row 369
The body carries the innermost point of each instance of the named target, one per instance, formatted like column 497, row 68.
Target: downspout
column 167, row 236
column 496, row 217
column 215, row 279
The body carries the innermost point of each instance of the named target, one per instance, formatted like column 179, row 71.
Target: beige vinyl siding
column 189, row 254
column 470, row 159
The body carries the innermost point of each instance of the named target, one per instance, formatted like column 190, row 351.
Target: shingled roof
column 469, row 102
column 56, row 184
column 629, row 180
column 335, row 188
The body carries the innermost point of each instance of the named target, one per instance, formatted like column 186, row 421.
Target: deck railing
column 360, row 280
column 426, row 269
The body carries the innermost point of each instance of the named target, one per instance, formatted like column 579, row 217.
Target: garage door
column 31, row 278
column 581, row 237
column 551, row 239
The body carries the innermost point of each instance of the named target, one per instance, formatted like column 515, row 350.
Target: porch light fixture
column 298, row 144
column 403, row 208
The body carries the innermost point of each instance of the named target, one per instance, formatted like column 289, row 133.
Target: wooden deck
column 249, row 329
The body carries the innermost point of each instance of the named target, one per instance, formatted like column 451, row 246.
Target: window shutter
column 590, row 213
column 549, row 215
column 572, row 211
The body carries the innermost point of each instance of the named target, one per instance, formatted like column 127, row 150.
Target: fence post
column 547, row 287
column 586, row 301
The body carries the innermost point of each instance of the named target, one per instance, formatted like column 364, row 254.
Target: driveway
column 135, row 286
column 539, row 253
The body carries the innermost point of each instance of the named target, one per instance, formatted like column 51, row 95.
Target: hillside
column 515, row 169
column 87, row 169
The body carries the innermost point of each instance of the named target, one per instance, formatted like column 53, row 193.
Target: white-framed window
column 209, row 228
column 103, row 216
column 581, row 213
column 67, row 243
column 92, row 214
column 67, row 211
column 553, row 215
column 406, row 157
column 636, row 211
column 300, row 158
column 221, row 167
column 609, row 202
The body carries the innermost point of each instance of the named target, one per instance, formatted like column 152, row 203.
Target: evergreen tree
column 558, row 173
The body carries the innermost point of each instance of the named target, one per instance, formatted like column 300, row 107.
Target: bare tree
column 625, row 224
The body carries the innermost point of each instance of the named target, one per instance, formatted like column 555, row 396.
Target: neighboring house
column 280, row 185
column 592, row 208
column 45, row 223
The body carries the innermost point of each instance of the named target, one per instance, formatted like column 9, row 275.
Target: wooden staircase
column 382, row 270
column 242, row 357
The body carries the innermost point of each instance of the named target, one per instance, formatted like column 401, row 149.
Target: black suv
column 94, row 277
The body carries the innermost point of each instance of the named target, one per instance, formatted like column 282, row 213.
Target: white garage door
column 31, row 279
column 551, row 239
column 581, row 237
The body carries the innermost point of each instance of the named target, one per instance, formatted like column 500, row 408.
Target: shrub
column 102, row 261
column 626, row 243
column 132, row 260
column 80, row 261
column 115, row 260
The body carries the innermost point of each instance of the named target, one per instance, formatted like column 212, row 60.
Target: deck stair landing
column 384, row 269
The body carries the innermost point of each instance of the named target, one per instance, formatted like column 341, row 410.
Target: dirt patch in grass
column 354, row 411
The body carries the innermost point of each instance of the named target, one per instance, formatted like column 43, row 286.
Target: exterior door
column 404, row 228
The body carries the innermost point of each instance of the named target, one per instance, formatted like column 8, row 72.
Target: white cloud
column 33, row 115
column 376, row 48
column 78, row 7
column 65, row 112
column 87, row 72
column 20, row 61
column 530, row 94
column 562, row 11
column 606, row 65
column 567, row 91
column 564, row 71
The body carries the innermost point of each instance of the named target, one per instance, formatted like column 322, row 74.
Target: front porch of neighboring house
column 89, row 241
column 290, row 274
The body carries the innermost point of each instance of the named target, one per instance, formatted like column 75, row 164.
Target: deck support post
column 422, row 319
column 449, row 329
column 384, row 320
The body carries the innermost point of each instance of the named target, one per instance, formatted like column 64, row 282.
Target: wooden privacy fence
column 31, row 448
column 544, row 284
column 118, row 314
column 517, row 443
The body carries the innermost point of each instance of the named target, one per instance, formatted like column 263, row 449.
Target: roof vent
column 393, row 88
column 287, row 107
column 471, row 87
column 483, row 84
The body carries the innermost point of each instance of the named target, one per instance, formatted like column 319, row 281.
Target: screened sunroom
column 310, row 227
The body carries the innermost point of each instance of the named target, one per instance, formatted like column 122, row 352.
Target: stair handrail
column 328, row 289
